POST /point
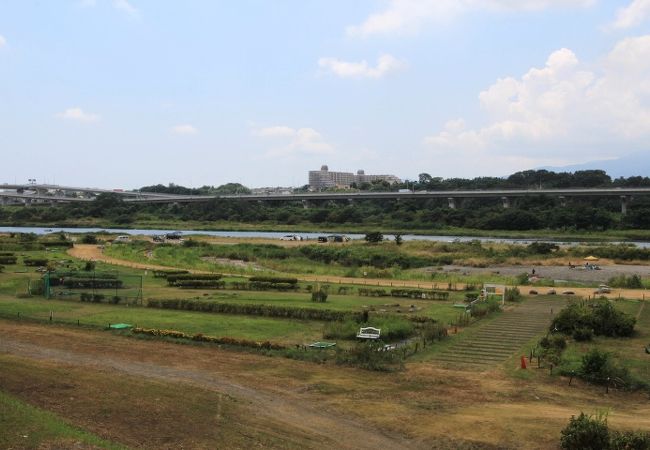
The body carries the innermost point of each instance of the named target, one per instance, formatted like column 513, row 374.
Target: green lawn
column 219, row 325
column 24, row 426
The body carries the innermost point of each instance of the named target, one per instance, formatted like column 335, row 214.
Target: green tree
column 374, row 237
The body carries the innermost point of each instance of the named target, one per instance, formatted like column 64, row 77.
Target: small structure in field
column 369, row 333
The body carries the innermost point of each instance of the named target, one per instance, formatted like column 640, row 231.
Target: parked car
column 122, row 238
column 174, row 235
column 158, row 238
column 322, row 239
column 290, row 237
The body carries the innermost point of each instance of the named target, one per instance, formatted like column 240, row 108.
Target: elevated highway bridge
column 54, row 194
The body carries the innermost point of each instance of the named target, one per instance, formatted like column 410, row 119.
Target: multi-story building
column 323, row 178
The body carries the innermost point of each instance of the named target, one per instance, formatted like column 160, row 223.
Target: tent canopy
column 591, row 258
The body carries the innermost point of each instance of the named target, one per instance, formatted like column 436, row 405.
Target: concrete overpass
column 43, row 193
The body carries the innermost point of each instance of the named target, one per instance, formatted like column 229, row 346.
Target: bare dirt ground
column 92, row 252
column 561, row 272
column 328, row 406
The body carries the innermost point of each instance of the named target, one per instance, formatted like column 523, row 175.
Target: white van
column 122, row 238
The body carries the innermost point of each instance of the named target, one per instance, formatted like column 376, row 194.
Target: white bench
column 369, row 333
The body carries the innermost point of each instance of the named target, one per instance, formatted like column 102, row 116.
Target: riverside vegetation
column 543, row 214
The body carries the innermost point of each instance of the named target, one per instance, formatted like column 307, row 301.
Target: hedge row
column 200, row 284
column 97, row 283
column 166, row 273
column 35, row 262
column 368, row 292
column 171, row 279
column 252, row 310
column 7, row 254
column 274, row 280
column 8, row 260
column 420, row 294
column 266, row 345
column 66, row 244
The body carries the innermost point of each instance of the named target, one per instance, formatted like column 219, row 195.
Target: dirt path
column 92, row 252
column 283, row 406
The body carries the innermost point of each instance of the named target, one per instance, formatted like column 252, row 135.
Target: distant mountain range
column 627, row 166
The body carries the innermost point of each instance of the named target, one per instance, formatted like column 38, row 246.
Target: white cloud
column 77, row 114
column 184, row 129
column 295, row 141
column 345, row 69
column 409, row 15
column 126, row 7
column 632, row 15
column 3, row 41
column 558, row 114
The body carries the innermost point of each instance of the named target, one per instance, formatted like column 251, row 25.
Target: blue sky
column 126, row 93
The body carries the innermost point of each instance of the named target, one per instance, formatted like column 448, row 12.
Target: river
column 304, row 235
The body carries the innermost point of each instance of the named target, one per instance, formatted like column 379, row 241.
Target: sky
column 129, row 93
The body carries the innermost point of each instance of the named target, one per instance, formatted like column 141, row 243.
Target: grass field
column 70, row 385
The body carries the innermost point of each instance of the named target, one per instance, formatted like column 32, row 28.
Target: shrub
column 8, row 259
column 554, row 341
column 512, row 295
column 89, row 239
column 623, row 281
column 433, row 332
column 200, row 284
column 522, row 279
column 374, row 237
column 35, row 262
column 85, row 283
column 253, row 310
column 200, row 337
column 583, row 334
column 482, row 309
column 598, row 367
column 90, row 266
column 172, row 279
column 369, row 355
column 274, row 280
column 585, row 433
column 319, row 295
column 166, row 273
column 602, row 317
column 629, row 440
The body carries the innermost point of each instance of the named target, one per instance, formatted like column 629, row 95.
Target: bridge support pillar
column 28, row 202
column 562, row 199
column 4, row 201
column 350, row 201
column 625, row 200
column 506, row 202
column 305, row 204
column 452, row 202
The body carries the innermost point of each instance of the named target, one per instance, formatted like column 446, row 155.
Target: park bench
column 369, row 333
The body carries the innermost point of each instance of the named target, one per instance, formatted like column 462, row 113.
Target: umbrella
column 591, row 258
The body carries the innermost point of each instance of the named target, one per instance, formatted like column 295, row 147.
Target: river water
column 306, row 235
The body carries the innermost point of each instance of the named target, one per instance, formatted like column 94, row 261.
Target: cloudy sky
column 126, row 93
